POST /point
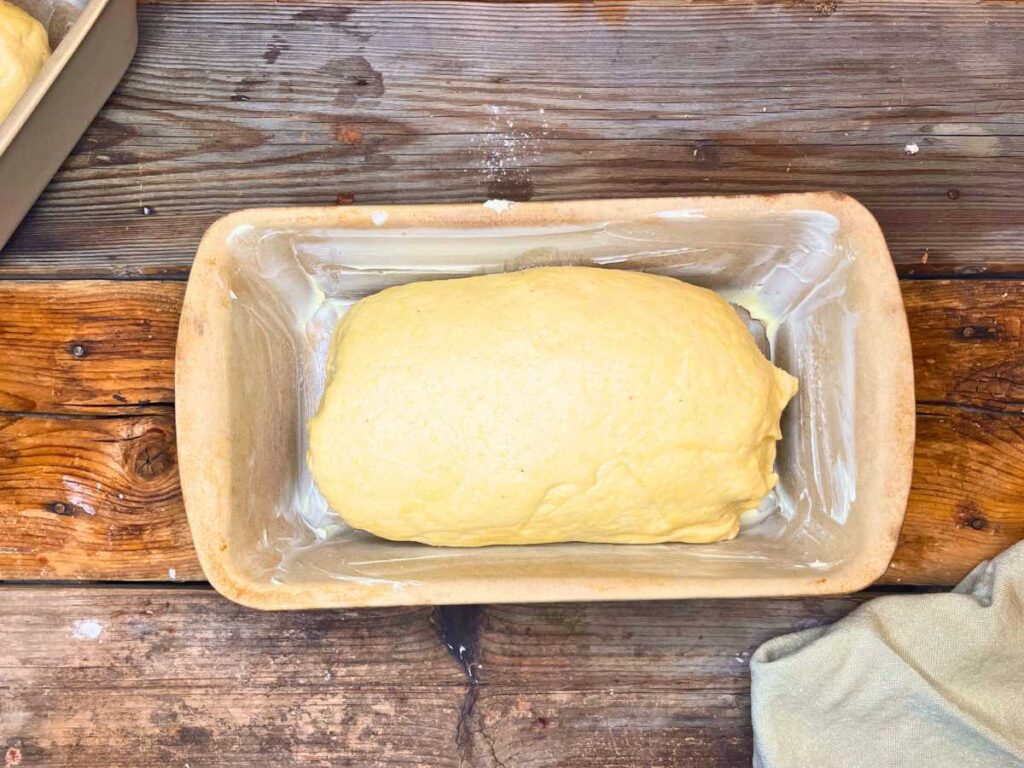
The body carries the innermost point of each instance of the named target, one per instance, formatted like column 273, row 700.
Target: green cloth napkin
column 905, row 680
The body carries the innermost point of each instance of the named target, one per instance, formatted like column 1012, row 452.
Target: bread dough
column 553, row 404
column 24, row 48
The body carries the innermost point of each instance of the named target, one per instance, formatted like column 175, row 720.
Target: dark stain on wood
column 969, row 515
column 245, row 88
column 100, row 145
column 274, row 50
column 513, row 184
column 193, row 735
column 707, row 155
column 325, row 14
column 352, row 78
column 337, row 18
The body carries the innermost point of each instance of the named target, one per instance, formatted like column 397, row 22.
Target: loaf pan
column 92, row 41
column 268, row 286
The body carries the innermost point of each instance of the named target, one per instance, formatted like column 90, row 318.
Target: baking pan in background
column 93, row 42
column 268, row 286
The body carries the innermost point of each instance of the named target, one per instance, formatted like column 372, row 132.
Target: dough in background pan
column 24, row 48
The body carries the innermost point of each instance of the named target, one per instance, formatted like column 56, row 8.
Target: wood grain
column 87, row 498
column 97, row 498
column 85, row 347
column 580, row 646
column 174, row 677
column 405, row 102
column 967, row 335
column 967, row 498
column 968, row 339
column 197, row 680
column 623, row 684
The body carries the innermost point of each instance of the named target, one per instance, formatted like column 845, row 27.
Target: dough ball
column 24, row 48
column 552, row 404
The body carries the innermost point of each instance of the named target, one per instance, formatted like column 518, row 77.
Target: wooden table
column 915, row 108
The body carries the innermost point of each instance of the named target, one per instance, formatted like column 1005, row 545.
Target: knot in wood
column 153, row 454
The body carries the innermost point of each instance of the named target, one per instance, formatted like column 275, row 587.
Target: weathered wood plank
column 576, row 646
column 653, row 684
column 77, row 500
column 968, row 339
column 967, row 501
column 88, row 498
column 285, row 104
column 196, row 680
column 967, row 336
column 967, row 498
column 174, row 677
column 84, row 347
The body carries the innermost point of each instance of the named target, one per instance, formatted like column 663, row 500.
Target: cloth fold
column 930, row 680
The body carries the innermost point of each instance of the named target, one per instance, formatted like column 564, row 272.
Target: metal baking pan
column 93, row 42
column 268, row 286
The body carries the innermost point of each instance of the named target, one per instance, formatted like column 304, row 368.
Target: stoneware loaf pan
column 268, row 286
column 93, row 42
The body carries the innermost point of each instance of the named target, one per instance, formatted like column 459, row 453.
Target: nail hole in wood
column 62, row 508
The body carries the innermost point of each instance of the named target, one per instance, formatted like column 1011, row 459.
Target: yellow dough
column 553, row 404
column 24, row 49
